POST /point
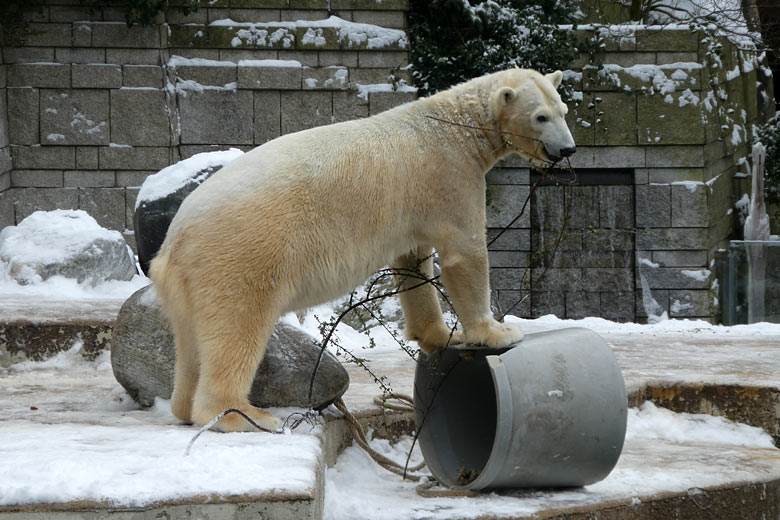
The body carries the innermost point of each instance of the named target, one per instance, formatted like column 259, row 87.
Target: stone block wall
column 657, row 110
column 91, row 107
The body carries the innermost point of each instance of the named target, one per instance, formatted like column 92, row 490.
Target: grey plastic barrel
column 548, row 412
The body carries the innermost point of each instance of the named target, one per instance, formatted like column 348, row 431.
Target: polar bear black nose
column 568, row 152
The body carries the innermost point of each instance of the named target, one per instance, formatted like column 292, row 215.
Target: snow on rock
column 170, row 179
column 365, row 90
column 66, row 243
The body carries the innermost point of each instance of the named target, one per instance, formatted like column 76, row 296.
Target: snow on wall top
column 170, row 179
column 47, row 237
column 353, row 33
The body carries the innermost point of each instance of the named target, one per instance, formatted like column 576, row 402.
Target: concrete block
column 669, row 119
column 37, row 179
column 236, row 55
column 641, row 176
column 616, row 208
column 671, row 39
column 207, row 75
column 672, row 156
column 133, row 56
column 512, row 259
column 52, row 75
column 508, row 176
column 548, row 302
column 7, row 217
column 265, row 77
column 689, row 205
column 90, row 179
column 370, row 76
column 96, row 75
column 43, row 157
column 566, row 279
column 370, row 5
column 309, row 4
column 305, row 58
column 28, row 55
column 150, row 76
column 510, row 239
column 81, row 34
column 325, row 78
column 29, row 200
column 618, row 305
column 302, row 110
column 176, row 17
column 582, row 203
column 69, row 13
column 595, row 279
column 670, row 175
column 86, row 157
column 626, row 59
column 341, row 58
column 118, row 34
column 71, row 117
column 378, row 102
column 267, row 115
column 655, row 301
column 139, row 117
column 390, row 19
column 509, row 279
column 671, row 238
column 582, row 304
column 319, row 12
column 675, row 278
column 23, row 113
column 689, row 304
column 48, row 35
column 131, row 194
column 71, row 55
column 382, row 59
column 253, row 15
column 5, row 168
column 347, row 106
column 581, row 120
column 106, row 205
column 132, row 179
column 609, row 157
column 514, row 303
column 134, row 158
column 216, row 117
column 653, row 206
column 503, row 205
column 5, row 181
column 615, row 118
column 680, row 258
column 225, row 37
column 667, row 58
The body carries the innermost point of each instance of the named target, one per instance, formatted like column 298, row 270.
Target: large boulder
column 67, row 243
column 143, row 355
column 161, row 195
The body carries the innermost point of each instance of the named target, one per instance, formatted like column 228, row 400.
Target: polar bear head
column 531, row 115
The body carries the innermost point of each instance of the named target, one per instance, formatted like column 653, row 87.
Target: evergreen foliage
column 769, row 135
column 456, row 40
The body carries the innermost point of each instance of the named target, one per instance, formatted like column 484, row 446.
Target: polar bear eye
column 542, row 119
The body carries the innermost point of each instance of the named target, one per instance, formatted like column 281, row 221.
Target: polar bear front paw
column 495, row 334
column 434, row 338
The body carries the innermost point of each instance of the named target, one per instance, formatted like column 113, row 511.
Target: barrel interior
column 456, row 414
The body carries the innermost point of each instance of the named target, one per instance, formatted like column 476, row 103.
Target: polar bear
column 306, row 217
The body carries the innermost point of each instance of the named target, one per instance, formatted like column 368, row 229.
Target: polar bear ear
column 554, row 78
column 505, row 95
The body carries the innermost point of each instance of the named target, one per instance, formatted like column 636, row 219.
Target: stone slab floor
column 731, row 374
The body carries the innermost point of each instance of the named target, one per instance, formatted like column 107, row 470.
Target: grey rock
column 143, row 355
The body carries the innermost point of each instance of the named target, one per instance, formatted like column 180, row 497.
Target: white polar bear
column 306, row 217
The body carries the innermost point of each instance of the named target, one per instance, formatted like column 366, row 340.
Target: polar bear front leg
column 465, row 276
column 420, row 303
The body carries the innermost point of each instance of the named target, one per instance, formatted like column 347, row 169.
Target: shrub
column 456, row 40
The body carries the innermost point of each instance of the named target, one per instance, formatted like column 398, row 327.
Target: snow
column 46, row 237
column 354, row 34
column 170, row 179
column 365, row 90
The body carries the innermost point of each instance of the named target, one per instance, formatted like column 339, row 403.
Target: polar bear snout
column 562, row 153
